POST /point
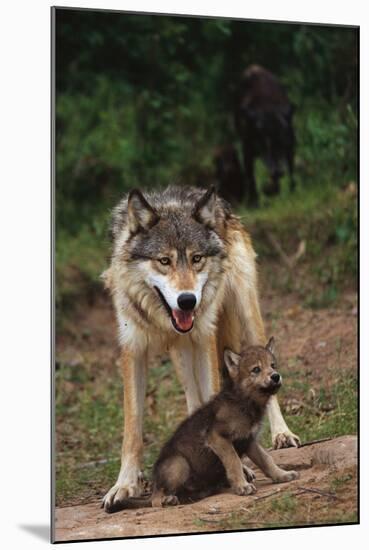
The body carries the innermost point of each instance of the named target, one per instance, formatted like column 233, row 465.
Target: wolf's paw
column 286, row 439
column 286, row 476
column 170, row 500
column 243, row 488
column 249, row 474
column 121, row 491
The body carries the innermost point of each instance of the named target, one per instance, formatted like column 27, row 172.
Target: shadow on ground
column 40, row 531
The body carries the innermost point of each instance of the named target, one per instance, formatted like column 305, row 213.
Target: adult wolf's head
column 171, row 245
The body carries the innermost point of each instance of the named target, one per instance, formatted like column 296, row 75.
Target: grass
column 340, row 482
column 89, row 421
column 316, row 423
column 79, row 261
column 285, row 510
column 89, row 426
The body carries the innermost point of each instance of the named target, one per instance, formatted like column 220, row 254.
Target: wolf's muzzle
column 182, row 319
column 273, row 385
column 186, row 301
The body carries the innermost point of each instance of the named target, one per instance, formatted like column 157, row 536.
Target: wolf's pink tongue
column 184, row 319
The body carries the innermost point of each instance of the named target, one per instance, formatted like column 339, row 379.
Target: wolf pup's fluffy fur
column 206, row 450
column 183, row 280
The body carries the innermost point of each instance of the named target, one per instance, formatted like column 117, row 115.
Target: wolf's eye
column 272, row 365
column 164, row 261
column 196, row 258
column 256, row 370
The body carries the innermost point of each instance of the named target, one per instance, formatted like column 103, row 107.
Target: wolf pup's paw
column 249, row 474
column 243, row 488
column 286, row 439
column 170, row 500
column 286, row 476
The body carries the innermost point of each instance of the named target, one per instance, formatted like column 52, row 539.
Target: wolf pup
column 183, row 279
column 206, row 451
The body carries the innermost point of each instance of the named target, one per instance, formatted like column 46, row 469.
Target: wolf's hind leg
column 170, row 500
column 267, row 465
column 171, row 476
column 159, row 499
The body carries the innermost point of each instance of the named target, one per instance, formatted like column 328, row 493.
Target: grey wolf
column 206, row 451
column 183, row 280
column 264, row 122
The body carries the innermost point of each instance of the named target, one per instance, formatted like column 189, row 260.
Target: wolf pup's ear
column 232, row 362
column 204, row 211
column 141, row 215
column 271, row 345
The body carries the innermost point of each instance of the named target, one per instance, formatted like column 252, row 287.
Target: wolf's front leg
column 281, row 434
column 246, row 307
column 207, row 367
column 267, row 465
column 226, row 453
column 128, row 484
column 182, row 356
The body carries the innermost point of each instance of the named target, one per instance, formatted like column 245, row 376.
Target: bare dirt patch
column 325, row 493
column 317, row 337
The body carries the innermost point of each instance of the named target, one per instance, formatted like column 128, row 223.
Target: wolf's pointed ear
column 204, row 211
column 232, row 362
column 141, row 215
column 271, row 345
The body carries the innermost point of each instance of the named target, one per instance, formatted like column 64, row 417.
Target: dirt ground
column 313, row 336
column 317, row 348
column 324, row 492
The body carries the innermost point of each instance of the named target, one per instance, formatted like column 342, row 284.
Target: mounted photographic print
column 206, row 196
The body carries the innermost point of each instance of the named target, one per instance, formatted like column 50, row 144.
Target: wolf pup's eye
column 256, row 370
column 196, row 258
column 164, row 261
column 272, row 365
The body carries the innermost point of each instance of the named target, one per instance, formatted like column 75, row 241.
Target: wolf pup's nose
column 186, row 301
column 275, row 377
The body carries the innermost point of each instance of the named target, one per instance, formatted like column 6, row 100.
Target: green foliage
column 285, row 504
column 142, row 100
column 341, row 419
column 327, row 143
column 79, row 261
column 332, row 413
column 325, row 219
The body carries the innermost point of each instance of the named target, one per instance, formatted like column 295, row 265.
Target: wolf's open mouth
column 181, row 320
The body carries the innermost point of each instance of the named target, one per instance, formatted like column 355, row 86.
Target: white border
column 25, row 245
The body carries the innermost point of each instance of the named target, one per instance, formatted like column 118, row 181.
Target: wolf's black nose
column 275, row 377
column 186, row 301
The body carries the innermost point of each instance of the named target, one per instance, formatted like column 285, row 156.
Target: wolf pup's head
column 174, row 250
column 254, row 372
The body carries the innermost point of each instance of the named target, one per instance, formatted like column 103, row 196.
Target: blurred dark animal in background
column 228, row 173
column 263, row 120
